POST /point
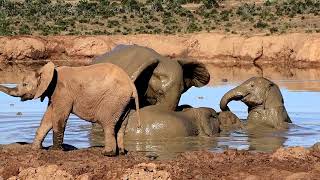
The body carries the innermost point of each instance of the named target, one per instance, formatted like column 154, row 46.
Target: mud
column 18, row 161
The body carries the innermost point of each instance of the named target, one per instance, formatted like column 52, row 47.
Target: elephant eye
column 24, row 84
column 252, row 85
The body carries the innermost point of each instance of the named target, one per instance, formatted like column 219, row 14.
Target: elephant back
column 132, row 58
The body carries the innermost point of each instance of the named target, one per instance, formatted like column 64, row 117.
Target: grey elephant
column 159, row 124
column 98, row 93
column 159, row 80
column 264, row 100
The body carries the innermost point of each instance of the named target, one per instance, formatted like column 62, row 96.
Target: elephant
column 159, row 80
column 264, row 100
column 99, row 93
column 159, row 124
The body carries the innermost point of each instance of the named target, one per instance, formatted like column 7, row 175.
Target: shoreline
column 285, row 163
column 297, row 50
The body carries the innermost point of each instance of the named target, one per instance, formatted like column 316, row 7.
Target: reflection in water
column 290, row 78
column 300, row 89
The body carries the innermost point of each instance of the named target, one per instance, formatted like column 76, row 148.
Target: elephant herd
column 101, row 93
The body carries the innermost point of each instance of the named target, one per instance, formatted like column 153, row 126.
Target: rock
column 299, row 176
column 317, row 166
column 86, row 176
column 146, row 171
column 90, row 46
column 291, row 152
column 19, row 48
column 43, row 172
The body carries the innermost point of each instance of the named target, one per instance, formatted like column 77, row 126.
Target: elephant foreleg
column 60, row 117
column 42, row 131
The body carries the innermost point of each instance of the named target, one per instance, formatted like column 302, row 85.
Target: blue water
column 301, row 105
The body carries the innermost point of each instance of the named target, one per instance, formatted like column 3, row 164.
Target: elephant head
column 159, row 80
column 264, row 100
column 34, row 85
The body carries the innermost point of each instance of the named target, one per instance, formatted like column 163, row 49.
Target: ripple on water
column 301, row 105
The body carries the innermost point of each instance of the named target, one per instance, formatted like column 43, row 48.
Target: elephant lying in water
column 159, row 80
column 264, row 100
column 160, row 124
column 98, row 93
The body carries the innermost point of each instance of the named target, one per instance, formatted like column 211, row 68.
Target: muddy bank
column 295, row 50
column 19, row 162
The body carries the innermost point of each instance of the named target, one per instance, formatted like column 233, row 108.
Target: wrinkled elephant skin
column 161, row 124
column 98, row 93
column 160, row 81
column 264, row 100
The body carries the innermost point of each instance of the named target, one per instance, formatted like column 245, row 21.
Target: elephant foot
column 36, row 146
column 56, row 148
column 122, row 151
column 109, row 153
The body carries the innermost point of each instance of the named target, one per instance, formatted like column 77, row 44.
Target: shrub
column 260, row 24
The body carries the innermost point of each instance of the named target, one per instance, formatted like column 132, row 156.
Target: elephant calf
column 264, row 100
column 98, row 93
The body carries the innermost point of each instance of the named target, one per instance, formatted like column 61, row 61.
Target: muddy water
column 300, row 88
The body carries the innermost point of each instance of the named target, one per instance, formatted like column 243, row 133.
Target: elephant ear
column 194, row 74
column 133, row 59
column 45, row 75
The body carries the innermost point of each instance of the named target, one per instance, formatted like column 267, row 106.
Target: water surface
column 300, row 89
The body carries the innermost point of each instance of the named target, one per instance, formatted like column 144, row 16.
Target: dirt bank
column 19, row 162
column 295, row 50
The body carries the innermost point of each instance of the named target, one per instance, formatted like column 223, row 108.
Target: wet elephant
column 162, row 124
column 264, row 100
column 160, row 80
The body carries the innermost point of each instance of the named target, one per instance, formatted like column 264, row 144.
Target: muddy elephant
column 264, row 100
column 162, row 124
column 98, row 93
column 159, row 124
column 160, row 80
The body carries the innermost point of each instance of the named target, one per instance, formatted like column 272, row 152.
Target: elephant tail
column 136, row 100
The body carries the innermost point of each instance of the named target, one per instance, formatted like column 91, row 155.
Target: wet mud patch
column 22, row 162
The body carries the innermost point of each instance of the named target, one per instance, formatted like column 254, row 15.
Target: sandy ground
column 20, row 162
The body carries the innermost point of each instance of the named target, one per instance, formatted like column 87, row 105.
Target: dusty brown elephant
column 264, row 100
column 98, row 93
column 159, row 80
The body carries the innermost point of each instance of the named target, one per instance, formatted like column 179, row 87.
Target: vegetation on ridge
column 45, row 17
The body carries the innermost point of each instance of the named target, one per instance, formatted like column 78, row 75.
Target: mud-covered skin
column 160, row 80
column 160, row 124
column 229, row 121
column 101, row 98
column 264, row 100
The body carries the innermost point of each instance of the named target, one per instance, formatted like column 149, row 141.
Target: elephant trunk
column 10, row 91
column 233, row 94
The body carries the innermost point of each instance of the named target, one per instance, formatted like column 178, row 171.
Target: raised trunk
column 233, row 94
column 10, row 91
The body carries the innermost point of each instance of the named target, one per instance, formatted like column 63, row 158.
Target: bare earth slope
column 296, row 50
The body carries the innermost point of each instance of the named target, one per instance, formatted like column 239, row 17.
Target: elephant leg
column 42, row 131
column 60, row 117
column 120, row 141
column 110, row 144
